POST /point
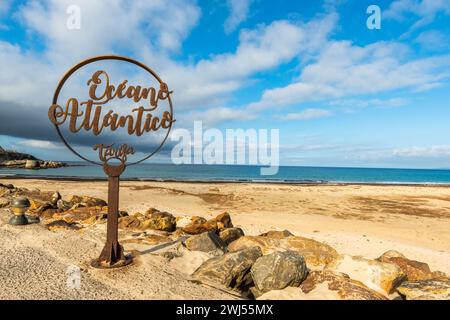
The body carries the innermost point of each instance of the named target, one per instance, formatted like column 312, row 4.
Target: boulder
column 86, row 201
column 157, row 220
column 277, row 234
column 229, row 235
column 325, row 285
column 206, row 242
column 218, row 223
column 379, row 276
column 278, row 270
column 83, row 214
column 317, row 255
column 392, row 254
column 438, row 289
column 230, row 270
column 414, row 270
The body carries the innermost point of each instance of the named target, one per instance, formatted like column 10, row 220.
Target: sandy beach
column 364, row 220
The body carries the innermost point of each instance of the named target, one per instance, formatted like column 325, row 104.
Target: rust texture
column 88, row 116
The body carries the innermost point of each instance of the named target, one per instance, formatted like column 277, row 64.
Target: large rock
column 414, row 270
column 279, row 270
column 317, row 254
column 158, row 220
column 438, row 289
column 86, row 201
column 325, row 285
column 83, row 214
column 206, row 242
column 230, row 270
column 151, row 219
column 229, row 235
column 379, row 276
column 218, row 223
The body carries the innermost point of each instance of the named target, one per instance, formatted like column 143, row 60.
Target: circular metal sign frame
column 100, row 58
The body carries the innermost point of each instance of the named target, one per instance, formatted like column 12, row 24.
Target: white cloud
column 239, row 10
column 216, row 115
column 5, row 6
column 350, row 105
column 425, row 10
column 344, row 69
column 208, row 81
column 433, row 40
column 431, row 151
column 41, row 144
column 308, row 114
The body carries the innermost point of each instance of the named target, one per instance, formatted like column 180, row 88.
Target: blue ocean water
column 288, row 174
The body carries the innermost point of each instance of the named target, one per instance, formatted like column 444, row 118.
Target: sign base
column 99, row 264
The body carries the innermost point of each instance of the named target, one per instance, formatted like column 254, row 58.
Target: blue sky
column 341, row 94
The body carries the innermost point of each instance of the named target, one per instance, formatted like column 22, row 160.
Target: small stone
column 55, row 197
column 278, row 270
column 425, row 289
column 228, row 235
column 206, row 242
column 230, row 270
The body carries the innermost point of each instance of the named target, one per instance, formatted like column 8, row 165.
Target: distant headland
column 14, row 159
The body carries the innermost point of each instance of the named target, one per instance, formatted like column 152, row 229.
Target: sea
column 241, row 173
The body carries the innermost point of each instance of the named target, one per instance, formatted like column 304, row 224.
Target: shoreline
column 239, row 181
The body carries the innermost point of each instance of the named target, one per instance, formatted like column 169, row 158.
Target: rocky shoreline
column 273, row 265
column 12, row 159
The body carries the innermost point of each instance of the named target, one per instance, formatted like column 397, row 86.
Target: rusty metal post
column 112, row 254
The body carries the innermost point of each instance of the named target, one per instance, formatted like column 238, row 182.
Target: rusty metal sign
column 93, row 116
